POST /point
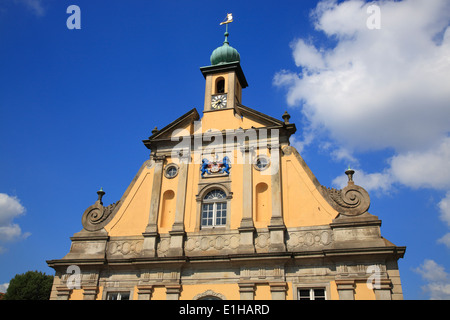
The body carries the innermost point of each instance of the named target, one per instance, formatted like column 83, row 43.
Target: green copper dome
column 225, row 53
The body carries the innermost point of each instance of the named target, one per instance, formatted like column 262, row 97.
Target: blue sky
column 75, row 106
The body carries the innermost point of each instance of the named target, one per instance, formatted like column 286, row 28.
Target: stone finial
column 286, row 116
column 155, row 130
column 100, row 193
column 349, row 172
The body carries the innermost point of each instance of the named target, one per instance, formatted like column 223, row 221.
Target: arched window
column 214, row 209
column 210, row 298
column 220, row 85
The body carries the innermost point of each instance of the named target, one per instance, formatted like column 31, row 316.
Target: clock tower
column 224, row 79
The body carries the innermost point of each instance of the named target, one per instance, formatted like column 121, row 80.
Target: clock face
column 219, row 101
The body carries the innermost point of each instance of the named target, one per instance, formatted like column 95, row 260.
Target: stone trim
column 90, row 292
column 384, row 290
column 278, row 290
column 247, row 290
column 209, row 293
column 346, row 289
column 63, row 293
column 173, row 291
column 145, row 292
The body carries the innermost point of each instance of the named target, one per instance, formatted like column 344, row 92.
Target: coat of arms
column 215, row 166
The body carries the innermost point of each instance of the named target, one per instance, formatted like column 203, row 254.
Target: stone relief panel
column 308, row 239
column 125, row 248
column 162, row 247
column 262, row 241
column 224, row 243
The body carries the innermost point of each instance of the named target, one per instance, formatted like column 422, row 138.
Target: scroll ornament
column 97, row 216
column 352, row 200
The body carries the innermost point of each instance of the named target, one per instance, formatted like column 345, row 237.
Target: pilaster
column 277, row 226
column 145, row 292
column 247, row 290
column 346, row 289
column 90, row 292
column 63, row 293
column 278, row 290
column 247, row 227
column 151, row 231
column 173, row 292
column 383, row 289
column 177, row 233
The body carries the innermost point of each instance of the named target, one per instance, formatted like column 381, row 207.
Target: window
column 220, row 85
column 262, row 163
column 214, row 209
column 311, row 294
column 210, row 298
column 171, row 171
column 118, row 296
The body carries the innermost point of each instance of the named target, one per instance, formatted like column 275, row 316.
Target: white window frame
column 119, row 295
column 297, row 286
column 311, row 292
column 214, row 203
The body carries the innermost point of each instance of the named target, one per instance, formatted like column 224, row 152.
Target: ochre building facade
column 226, row 208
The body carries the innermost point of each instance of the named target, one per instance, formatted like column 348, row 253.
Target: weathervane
column 228, row 20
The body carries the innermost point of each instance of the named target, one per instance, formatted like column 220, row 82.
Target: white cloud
column 369, row 90
column 4, row 287
column 307, row 55
column 444, row 207
column 301, row 144
column 10, row 208
column 428, row 168
column 376, row 89
column 445, row 240
column 383, row 89
column 438, row 280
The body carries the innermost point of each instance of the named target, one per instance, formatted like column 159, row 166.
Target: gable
column 185, row 122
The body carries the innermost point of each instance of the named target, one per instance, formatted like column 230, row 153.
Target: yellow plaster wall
column 334, row 295
column 191, row 202
column 303, row 205
column 220, row 120
column 237, row 201
column 159, row 293
column 132, row 217
column 166, row 215
column 227, row 119
column 182, row 130
column 362, row 292
column 247, row 123
column 262, row 292
column 289, row 292
column 262, row 203
column 77, row 294
column 100, row 293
